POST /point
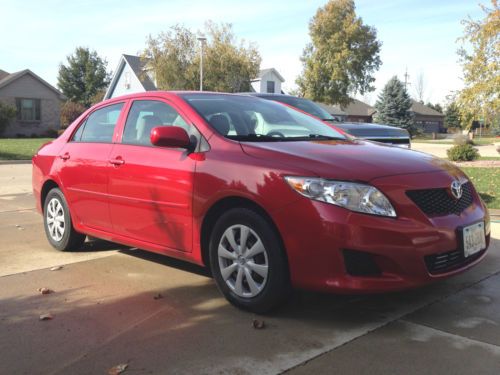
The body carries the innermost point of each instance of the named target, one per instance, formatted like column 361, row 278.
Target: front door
column 85, row 167
column 150, row 188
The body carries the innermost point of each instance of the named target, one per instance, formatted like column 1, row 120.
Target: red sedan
column 266, row 196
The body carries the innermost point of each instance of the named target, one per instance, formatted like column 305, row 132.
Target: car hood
column 355, row 160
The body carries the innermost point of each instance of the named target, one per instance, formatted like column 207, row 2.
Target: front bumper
column 317, row 235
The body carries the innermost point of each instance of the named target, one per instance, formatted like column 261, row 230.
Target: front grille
column 438, row 202
column 446, row 262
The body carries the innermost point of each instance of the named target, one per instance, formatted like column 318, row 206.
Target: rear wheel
column 58, row 225
column 248, row 262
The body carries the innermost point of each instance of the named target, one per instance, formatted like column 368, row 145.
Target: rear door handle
column 117, row 161
column 65, row 156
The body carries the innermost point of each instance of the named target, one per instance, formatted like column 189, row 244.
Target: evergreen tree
column 436, row 107
column 83, row 77
column 393, row 106
column 452, row 116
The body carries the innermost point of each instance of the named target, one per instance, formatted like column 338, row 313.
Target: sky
column 418, row 36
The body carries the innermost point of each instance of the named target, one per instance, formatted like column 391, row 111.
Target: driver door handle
column 65, row 156
column 117, row 161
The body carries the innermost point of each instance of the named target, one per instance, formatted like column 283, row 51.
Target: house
column 334, row 110
column 268, row 81
column 358, row 111
column 131, row 76
column 427, row 119
column 37, row 102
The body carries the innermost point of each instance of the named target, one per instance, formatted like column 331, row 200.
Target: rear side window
column 100, row 125
column 145, row 115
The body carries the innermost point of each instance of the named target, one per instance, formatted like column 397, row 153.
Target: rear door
column 85, row 167
column 150, row 188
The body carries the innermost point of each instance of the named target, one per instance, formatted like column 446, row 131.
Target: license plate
column 474, row 239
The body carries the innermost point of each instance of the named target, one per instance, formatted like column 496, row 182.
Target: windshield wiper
column 321, row 136
column 255, row 138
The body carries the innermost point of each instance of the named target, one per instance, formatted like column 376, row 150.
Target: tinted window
column 304, row 105
column 250, row 118
column 145, row 115
column 100, row 125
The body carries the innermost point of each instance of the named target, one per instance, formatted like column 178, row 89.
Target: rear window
column 100, row 125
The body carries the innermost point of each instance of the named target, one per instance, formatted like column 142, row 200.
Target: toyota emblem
column 456, row 189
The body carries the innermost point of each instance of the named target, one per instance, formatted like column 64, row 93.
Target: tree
column 436, row 107
column 452, row 116
column 393, row 106
column 420, row 87
column 228, row 65
column 480, row 59
column 342, row 56
column 84, row 75
column 70, row 111
column 7, row 113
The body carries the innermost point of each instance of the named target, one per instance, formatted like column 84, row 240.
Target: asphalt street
column 114, row 305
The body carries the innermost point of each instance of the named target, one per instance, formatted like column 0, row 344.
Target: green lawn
column 20, row 148
column 487, row 183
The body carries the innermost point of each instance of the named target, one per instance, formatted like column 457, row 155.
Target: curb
column 7, row 162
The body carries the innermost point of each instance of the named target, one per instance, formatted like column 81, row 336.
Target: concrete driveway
column 115, row 305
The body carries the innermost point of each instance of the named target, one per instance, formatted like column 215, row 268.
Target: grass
column 487, row 183
column 20, row 148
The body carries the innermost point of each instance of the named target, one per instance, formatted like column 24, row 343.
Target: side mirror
column 170, row 136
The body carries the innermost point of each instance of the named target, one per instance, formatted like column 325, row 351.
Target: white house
column 130, row 77
column 268, row 81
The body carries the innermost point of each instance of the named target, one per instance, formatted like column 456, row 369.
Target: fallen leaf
column 118, row 369
column 56, row 268
column 45, row 290
column 258, row 324
column 158, row 296
column 46, row 317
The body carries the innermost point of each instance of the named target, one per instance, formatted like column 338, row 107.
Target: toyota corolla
column 268, row 197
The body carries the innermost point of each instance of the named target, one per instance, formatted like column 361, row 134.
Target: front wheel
column 57, row 222
column 248, row 262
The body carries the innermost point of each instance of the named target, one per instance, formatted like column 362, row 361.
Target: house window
column 28, row 109
column 270, row 86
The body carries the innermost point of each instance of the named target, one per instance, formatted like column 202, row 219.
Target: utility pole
column 202, row 40
column 407, row 82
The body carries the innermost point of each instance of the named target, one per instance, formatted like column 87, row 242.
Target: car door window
column 145, row 115
column 100, row 125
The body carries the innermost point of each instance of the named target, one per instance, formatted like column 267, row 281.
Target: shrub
column 462, row 139
column 70, row 112
column 51, row 133
column 462, row 153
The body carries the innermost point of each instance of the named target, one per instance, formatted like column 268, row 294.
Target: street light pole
column 202, row 40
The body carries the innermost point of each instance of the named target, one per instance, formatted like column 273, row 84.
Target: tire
column 57, row 223
column 255, row 278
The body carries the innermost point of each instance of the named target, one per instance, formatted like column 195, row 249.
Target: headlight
column 350, row 195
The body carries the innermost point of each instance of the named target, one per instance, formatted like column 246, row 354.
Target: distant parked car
column 379, row 133
column 372, row 132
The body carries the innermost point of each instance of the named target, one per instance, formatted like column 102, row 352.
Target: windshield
column 252, row 119
column 304, row 105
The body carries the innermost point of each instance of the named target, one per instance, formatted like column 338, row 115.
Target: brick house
column 37, row 102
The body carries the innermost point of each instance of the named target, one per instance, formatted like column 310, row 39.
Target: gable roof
column 420, row 109
column 138, row 66
column 332, row 109
column 263, row 72
column 358, row 108
column 6, row 79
